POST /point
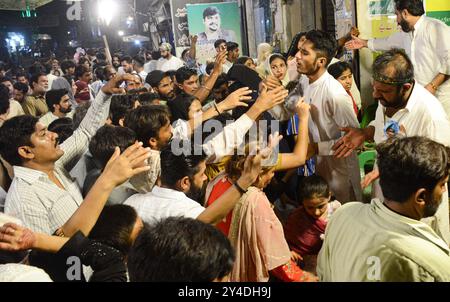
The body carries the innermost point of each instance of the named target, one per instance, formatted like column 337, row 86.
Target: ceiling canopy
column 22, row 4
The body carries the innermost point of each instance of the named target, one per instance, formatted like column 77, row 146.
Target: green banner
column 444, row 16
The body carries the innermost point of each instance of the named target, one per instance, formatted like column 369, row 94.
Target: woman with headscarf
column 264, row 50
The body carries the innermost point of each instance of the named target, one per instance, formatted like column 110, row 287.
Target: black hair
column 114, row 227
column 179, row 107
column 184, row 52
column 128, row 59
column 15, row 133
column 176, row 167
column 312, row 187
column 35, row 78
column 242, row 60
column 105, row 141
column 120, row 105
column 5, row 79
column 139, row 60
column 338, row 68
column 63, row 127
column 323, row 43
column 21, row 87
column 210, row 11
column 232, row 46
column 66, row 65
column 414, row 7
column 53, row 97
column 146, row 121
column 36, row 68
column 277, row 56
column 100, row 56
column 4, row 99
column 21, row 74
column 293, row 49
column 184, row 73
column 218, row 42
column 155, row 77
column 148, row 98
column 221, row 79
column 80, row 70
column 393, row 67
column 409, row 164
column 179, row 249
column 209, row 68
column 100, row 73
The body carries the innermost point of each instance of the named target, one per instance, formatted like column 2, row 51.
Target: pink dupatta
column 257, row 237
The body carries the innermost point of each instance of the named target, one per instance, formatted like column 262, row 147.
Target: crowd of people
column 158, row 168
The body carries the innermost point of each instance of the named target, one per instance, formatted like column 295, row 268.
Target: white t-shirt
column 173, row 63
column 161, row 203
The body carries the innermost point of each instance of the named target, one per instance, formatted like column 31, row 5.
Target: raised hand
column 269, row 99
column 15, row 238
column 220, row 60
column 302, row 109
column 352, row 140
column 236, row 99
column 356, row 43
column 113, row 86
column 370, row 178
column 122, row 167
column 193, row 39
column 272, row 82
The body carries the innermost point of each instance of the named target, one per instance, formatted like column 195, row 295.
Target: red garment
column 221, row 187
column 355, row 107
column 303, row 232
column 290, row 272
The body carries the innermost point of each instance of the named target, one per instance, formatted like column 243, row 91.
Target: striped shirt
column 35, row 199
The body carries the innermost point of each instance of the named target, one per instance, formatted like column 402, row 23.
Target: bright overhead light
column 120, row 33
column 107, row 9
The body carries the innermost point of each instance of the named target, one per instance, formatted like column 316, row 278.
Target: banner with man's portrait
column 213, row 21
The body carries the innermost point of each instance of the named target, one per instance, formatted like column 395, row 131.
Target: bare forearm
column 203, row 92
column 87, row 214
column 298, row 157
column 369, row 133
column 224, row 204
column 49, row 244
column 439, row 79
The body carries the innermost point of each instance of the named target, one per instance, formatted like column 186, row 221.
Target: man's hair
column 146, row 121
column 232, row 46
column 184, row 73
column 128, row 59
column 120, row 105
column 218, row 42
column 139, row 60
column 100, row 56
column 414, row 7
column 53, row 97
column 104, row 142
column 63, row 127
column 175, row 167
column 114, row 227
column 210, row 11
column 179, row 249
column 221, row 79
column 393, row 67
column 65, row 65
column 323, row 43
column 293, row 48
column 15, row 133
column 80, row 70
column 242, row 60
column 35, row 78
column 21, row 87
column 312, row 187
column 155, row 77
column 36, row 68
column 409, row 164
column 21, row 74
column 4, row 99
column 338, row 68
column 5, row 79
column 146, row 99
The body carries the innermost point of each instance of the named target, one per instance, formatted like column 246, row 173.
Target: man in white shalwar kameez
column 427, row 43
column 406, row 108
column 331, row 109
